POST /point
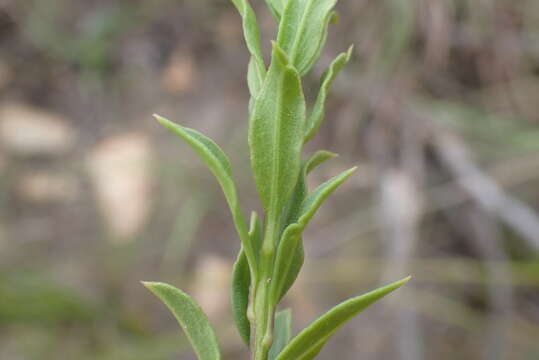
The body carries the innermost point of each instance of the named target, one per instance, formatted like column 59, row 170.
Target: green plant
column 271, row 254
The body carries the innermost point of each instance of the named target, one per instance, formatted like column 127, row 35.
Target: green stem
column 264, row 310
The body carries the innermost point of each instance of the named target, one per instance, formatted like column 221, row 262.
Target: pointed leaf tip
column 309, row 342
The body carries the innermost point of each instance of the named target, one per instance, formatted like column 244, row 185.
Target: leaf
column 281, row 332
column 218, row 163
column 315, row 119
column 241, row 282
column 295, row 267
column 255, row 232
column 276, row 8
column 286, row 269
column 191, row 318
column 293, row 212
column 313, row 201
column 300, row 191
column 284, row 273
column 275, row 134
column 254, row 79
column 303, row 31
column 251, row 31
column 317, row 159
column 308, row 343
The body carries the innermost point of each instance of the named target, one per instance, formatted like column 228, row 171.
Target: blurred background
column 439, row 108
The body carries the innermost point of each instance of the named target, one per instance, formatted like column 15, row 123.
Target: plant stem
column 264, row 310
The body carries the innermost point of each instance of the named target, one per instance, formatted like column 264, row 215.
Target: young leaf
column 241, row 282
column 285, row 267
column 257, row 68
column 313, row 201
column 191, row 318
column 275, row 139
column 314, row 120
column 317, row 159
column 219, row 165
column 293, row 213
column 281, row 332
column 308, row 343
column 303, row 31
column 300, row 191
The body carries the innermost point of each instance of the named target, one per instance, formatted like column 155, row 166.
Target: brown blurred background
column 439, row 108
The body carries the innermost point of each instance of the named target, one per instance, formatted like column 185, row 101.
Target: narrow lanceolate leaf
column 191, row 318
column 308, row 343
column 313, row 201
column 257, row 68
column 218, row 163
column 300, row 191
column 275, row 134
column 303, row 31
column 315, row 119
column 241, row 281
column 285, row 267
column 281, row 332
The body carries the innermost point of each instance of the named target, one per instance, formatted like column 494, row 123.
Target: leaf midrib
column 276, row 155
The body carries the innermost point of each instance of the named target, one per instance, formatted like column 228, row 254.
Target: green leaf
column 281, row 332
column 315, row 119
column 308, row 343
column 295, row 267
column 300, row 191
column 254, row 78
column 257, row 68
column 255, row 232
column 218, row 163
column 285, row 273
column 303, row 31
column 276, row 7
column 293, row 213
column 286, row 269
column 275, row 134
column 313, row 201
column 241, row 282
column 317, row 159
column 191, row 318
